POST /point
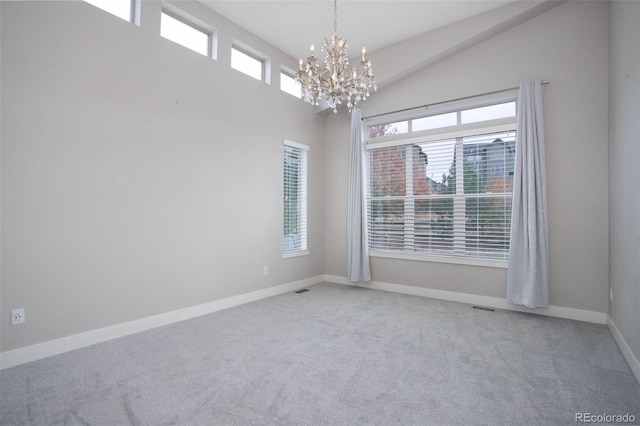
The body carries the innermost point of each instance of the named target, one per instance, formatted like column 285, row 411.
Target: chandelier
column 334, row 81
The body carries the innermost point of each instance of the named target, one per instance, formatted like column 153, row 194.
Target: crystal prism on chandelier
column 334, row 81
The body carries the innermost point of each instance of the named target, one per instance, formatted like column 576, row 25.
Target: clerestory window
column 123, row 9
column 185, row 33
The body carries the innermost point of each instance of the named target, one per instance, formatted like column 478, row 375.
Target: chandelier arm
column 322, row 74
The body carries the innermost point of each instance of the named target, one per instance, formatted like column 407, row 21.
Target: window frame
column 190, row 22
column 289, row 74
column 253, row 54
column 457, row 133
column 134, row 11
column 302, row 197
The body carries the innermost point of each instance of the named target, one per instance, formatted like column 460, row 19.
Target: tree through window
column 441, row 196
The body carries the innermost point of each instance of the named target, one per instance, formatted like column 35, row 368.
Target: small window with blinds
column 443, row 196
column 295, row 199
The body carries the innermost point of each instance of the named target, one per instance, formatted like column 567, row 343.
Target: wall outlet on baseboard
column 265, row 271
column 17, row 316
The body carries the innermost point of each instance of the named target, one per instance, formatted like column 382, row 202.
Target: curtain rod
column 426, row 106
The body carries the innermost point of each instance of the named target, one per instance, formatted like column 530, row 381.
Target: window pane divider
column 471, row 129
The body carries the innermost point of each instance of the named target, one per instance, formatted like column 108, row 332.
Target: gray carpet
column 334, row 355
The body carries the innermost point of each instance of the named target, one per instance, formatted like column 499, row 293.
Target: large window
column 295, row 199
column 440, row 186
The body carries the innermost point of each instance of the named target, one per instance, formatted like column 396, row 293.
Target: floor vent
column 304, row 290
column 483, row 308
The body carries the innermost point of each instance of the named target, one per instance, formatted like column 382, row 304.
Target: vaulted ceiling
column 293, row 26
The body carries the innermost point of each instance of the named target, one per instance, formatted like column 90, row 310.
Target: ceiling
column 293, row 26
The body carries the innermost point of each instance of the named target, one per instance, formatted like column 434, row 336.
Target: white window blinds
column 295, row 199
column 444, row 193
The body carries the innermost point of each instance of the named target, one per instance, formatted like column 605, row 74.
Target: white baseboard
column 77, row 341
column 474, row 299
column 65, row 344
column 628, row 354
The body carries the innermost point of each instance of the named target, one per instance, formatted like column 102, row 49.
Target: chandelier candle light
column 335, row 82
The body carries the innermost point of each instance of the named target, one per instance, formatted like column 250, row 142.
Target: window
column 185, row 34
column 443, row 195
column 434, row 122
column 120, row 8
column 295, row 199
column 389, row 129
column 490, row 112
column 247, row 64
column 290, row 85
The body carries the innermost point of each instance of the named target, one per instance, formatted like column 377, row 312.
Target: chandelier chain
column 335, row 16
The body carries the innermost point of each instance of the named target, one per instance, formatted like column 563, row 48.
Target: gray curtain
column 528, row 273
column 358, row 268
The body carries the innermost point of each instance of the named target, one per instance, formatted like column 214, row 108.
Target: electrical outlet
column 610, row 295
column 265, row 271
column 17, row 316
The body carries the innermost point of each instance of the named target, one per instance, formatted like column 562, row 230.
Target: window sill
column 442, row 259
column 295, row 254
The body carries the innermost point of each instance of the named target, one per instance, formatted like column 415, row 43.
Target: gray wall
column 624, row 173
column 139, row 177
column 567, row 45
